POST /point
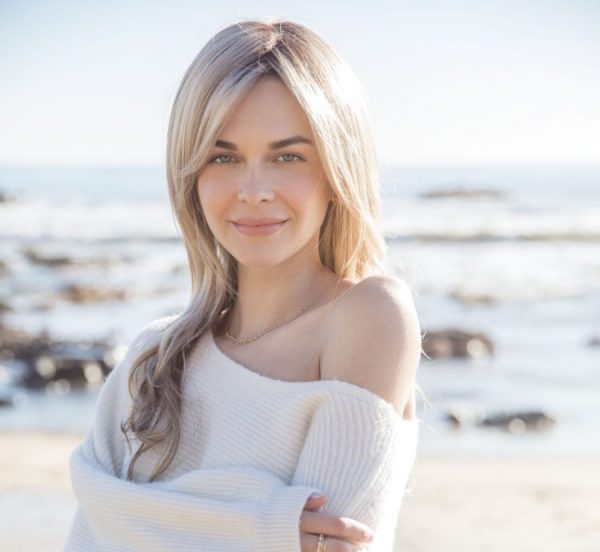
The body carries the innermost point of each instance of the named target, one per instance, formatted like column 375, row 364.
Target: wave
column 489, row 237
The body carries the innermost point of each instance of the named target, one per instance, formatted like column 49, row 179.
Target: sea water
column 530, row 247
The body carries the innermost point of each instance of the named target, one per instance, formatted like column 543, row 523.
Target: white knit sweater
column 252, row 450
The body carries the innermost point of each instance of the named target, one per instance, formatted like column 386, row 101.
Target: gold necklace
column 250, row 339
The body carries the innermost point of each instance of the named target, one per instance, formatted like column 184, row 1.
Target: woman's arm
column 359, row 449
column 229, row 509
column 225, row 509
column 360, row 454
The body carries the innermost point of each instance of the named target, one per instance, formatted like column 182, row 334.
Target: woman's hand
column 343, row 534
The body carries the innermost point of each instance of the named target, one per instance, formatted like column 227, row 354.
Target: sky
column 447, row 81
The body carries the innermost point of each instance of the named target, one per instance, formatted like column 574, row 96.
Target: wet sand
column 452, row 503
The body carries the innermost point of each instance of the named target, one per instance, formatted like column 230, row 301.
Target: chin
column 259, row 261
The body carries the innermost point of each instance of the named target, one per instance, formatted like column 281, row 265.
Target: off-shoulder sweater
column 252, row 449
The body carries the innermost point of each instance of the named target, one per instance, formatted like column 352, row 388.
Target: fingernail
column 317, row 495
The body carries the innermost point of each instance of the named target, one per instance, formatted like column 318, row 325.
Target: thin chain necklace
column 254, row 338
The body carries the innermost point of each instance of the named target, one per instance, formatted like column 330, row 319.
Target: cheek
column 213, row 201
column 308, row 191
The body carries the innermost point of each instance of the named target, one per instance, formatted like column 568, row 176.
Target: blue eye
column 214, row 159
column 292, row 155
column 219, row 158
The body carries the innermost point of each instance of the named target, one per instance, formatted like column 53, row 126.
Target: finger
column 339, row 527
column 313, row 507
column 314, row 502
column 331, row 543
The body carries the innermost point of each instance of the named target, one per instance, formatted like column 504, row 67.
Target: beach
column 452, row 503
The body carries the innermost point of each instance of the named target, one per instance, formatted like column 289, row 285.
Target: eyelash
column 228, row 155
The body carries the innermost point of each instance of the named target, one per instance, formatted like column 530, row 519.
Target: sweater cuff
column 279, row 519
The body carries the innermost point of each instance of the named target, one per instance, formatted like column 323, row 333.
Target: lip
column 259, row 229
column 248, row 221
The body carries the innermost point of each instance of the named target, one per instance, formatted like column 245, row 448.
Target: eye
column 291, row 155
column 216, row 159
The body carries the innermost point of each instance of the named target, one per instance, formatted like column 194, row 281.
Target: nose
column 255, row 187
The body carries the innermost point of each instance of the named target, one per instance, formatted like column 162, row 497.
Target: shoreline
column 452, row 502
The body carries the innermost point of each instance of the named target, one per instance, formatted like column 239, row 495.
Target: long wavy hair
column 350, row 242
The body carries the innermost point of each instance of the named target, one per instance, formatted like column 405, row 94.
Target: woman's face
column 250, row 176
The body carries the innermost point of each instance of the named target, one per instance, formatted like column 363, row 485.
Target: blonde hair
column 350, row 242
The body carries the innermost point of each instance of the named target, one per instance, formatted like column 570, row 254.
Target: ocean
column 509, row 251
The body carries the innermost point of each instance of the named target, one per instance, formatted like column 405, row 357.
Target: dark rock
column 454, row 343
column 6, row 398
column 461, row 415
column 64, row 364
column 520, row 421
column 69, row 364
column 594, row 341
column 4, row 198
column 463, row 193
column 47, row 260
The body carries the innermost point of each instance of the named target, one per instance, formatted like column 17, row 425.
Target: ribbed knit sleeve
column 228, row 509
column 360, row 453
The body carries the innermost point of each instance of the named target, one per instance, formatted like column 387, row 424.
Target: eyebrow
column 273, row 145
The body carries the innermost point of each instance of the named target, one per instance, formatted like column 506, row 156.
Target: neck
column 270, row 296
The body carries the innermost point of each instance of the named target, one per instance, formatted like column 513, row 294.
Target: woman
column 292, row 369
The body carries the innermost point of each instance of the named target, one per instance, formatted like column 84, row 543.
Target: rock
column 473, row 298
column 64, row 364
column 67, row 365
column 6, row 398
column 63, row 260
column 520, row 421
column 463, row 193
column 461, row 415
column 594, row 341
column 454, row 343
column 4, row 198
column 80, row 294
column 47, row 260
column 14, row 342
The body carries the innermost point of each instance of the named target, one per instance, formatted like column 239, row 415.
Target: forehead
column 267, row 107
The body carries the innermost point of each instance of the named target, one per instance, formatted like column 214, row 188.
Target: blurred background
column 487, row 122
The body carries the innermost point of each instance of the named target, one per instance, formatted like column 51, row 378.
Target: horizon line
column 388, row 164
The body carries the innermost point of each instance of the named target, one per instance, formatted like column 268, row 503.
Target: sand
column 453, row 503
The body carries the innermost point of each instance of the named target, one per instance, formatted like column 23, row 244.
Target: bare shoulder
column 374, row 339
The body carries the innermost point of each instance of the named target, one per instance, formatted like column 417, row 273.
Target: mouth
column 259, row 229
